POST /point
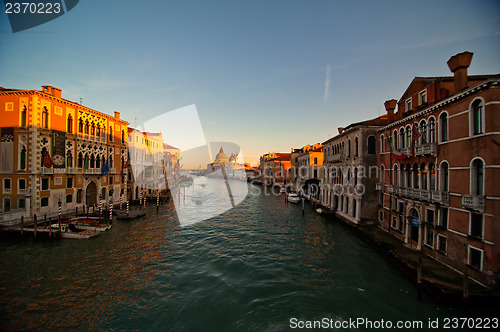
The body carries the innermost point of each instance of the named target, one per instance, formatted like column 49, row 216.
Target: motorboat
column 70, row 231
column 293, row 198
column 89, row 223
column 319, row 211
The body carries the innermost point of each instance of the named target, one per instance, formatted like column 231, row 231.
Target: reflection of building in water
column 55, row 150
column 147, row 151
column 231, row 166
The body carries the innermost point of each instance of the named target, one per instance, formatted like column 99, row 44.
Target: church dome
column 221, row 158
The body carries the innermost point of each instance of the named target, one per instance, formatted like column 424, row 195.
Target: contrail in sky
column 327, row 82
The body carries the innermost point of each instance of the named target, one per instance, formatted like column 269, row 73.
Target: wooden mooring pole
column 419, row 279
column 22, row 225
column 50, row 227
column 34, row 225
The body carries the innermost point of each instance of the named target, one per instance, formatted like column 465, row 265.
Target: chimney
column 117, row 115
column 458, row 64
column 52, row 90
column 341, row 129
column 390, row 106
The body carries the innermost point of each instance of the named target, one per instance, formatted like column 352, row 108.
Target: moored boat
column 70, row 231
column 293, row 198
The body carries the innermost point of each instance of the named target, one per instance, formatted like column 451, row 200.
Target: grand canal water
column 252, row 268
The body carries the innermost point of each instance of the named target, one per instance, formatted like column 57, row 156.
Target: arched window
column 110, row 161
column 69, row 159
column 22, row 159
column 111, row 133
column 80, row 125
column 443, row 127
column 98, row 161
column 92, row 129
column 92, row 161
column 371, row 145
column 123, row 136
column 44, row 153
column 408, row 136
column 382, row 144
column 423, row 132
column 356, row 146
column 432, row 130
column 444, row 177
column 477, row 117
column 86, row 126
column 395, row 175
column 348, row 148
column 123, row 164
column 423, row 177
column 45, row 117
column 477, row 177
column 395, row 139
column 69, row 124
column 382, row 174
column 80, row 160
column 416, row 176
column 408, row 176
column 23, row 116
column 432, row 177
column 354, row 208
column 401, row 138
column 86, row 161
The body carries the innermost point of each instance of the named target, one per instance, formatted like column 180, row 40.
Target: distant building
column 54, row 150
column 231, row 165
column 309, row 170
column 274, row 168
column 438, row 189
column 350, row 172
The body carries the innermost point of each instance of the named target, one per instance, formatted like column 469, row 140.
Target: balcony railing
column 426, row 149
column 390, row 189
column 71, row 170
column 379, row 186
column 406, row 151
column 441, row 197
column 473, row 202
column 46, row 170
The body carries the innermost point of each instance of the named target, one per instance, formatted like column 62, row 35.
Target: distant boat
column 88, row 223
column 293, row 198
column 319, row 210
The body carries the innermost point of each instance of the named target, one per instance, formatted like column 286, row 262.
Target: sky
column 265, row 75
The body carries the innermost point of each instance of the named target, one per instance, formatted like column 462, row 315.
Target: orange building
column 438, row 189
column 54, row 150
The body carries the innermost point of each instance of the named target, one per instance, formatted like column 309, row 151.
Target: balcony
column 46, row 170
column 426, row 149
column 390, row 189
column 71, row 170
column 336, row 158
column 441, row 197
column 473, row 202
column 379, row 186
column 406, row 151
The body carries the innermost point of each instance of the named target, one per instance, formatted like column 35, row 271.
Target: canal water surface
column 253, row 268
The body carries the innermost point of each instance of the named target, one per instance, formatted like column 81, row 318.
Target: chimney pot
column 390, row 106
column 117, row 114
column 458, row 64
column 341, row 129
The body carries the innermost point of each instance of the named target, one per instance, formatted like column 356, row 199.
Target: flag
column 105, row 168
column 124, row 167
column 395, row 155
column 47, row 162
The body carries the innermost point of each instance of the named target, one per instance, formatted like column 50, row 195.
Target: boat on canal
column 89, row 224
column 70, row 231
column 293, row 198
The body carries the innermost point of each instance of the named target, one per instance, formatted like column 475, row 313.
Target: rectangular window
column 21, row 203
column 45, row 183
column 401, row 207
column 476, row 258
column 429, row 236
column 476, row 225
column 443, row 217
column 69, row 198
column 441, row 242
column 394, row 222
column 44, row 201
column 110, row 179
column 69, row 182
column 430, row 216
column 400, row 223
column 422, row 97
column 21, row 184
column 6, row 186
column 381, row 215
column 408, row 105
column 79, row 196
column 6, row 204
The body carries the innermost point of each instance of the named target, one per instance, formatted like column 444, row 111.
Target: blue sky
column 267, row 75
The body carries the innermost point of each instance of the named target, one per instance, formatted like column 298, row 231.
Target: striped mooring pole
column 157, row 201
column 110, row 210
column 127, row 206
column 120, row 201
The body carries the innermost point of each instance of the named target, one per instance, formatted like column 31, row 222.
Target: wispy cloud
column 327, row 83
